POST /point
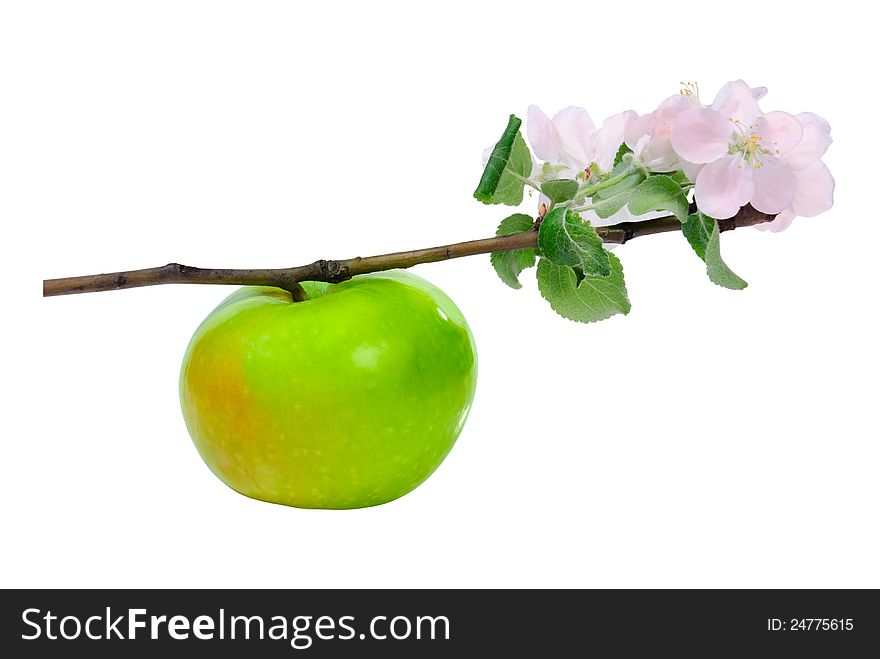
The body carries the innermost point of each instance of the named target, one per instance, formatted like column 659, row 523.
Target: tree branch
column 338, row 271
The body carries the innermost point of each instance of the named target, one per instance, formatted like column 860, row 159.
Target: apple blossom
column 570, row 142
column 649, row 135
column 769, row 160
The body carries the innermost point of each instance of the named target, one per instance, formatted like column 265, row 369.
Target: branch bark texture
column 335, row 271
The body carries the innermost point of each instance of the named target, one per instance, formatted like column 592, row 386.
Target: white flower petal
column 701, row 135
column 658, row 155
column 610, row 137
column 543, row 135
column 782, row 222
column 780, row 132
column 736, row 101
column 641, row 127
column 723, row 187
column 814, row 143
column 814, row 190
column 577, row 134
column 774, row 187
column 691, row 170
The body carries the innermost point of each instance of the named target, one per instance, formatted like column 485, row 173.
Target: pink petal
column 610, row 137
column 780, row 132
column 759, row 92
column 814, row 190
column 543, row 136
column 690, row 169
column 774, row 187
column 736, row 101
column 640, row 127
column 671, row 108
column 782, row 222
column 723, row 187
column 701, row 135
column 577, row 133
column 814, row 143
column 658, row 154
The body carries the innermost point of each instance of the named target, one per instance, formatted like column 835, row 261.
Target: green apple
column 348, row 399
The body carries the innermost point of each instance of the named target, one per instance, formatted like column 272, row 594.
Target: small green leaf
column 628, row 183
column 698, row 228
column 497, row 161
column 510, row 264
column 704, row 236
column 608, row 201
column 659, row 193
column 591, row 299
column 609, row 192
column 718, row 271
column 621, row 168
column 560, row 190
column 608, row 207
column 516, row 223
column 510, row 163
column 314, row 289
column 550, row 171
column 621, row 152
column 567, row 239
column 679, row 177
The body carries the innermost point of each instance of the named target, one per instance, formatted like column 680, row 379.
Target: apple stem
column 297, row 292
column 338, row 271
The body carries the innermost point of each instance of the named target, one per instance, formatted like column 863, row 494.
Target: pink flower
column 770, row 160
column 814, row 191
column 570, row 139
column 649, row 135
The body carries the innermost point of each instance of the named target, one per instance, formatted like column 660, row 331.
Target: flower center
column 753, row 147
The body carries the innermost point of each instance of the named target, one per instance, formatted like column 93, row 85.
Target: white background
column 710, row 438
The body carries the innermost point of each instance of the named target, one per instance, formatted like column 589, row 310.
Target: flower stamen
column 690, row 89
column 752, row 146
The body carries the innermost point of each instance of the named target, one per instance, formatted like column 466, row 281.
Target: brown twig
column 337, row 271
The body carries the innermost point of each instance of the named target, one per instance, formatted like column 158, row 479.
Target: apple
column 350, row 398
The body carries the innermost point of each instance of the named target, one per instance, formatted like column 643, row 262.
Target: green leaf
column 608, row 201
column 621, row 168
column 314, row 289
column 508, row 165
column 510, row 264
column 519, row 168
column 698, row 229
column 628, row 183
column 704, row 236
column 549, row 171
column 497, row 161
column 591, row 299
column 566, row 239
column 679, row 177
column 609, row 207
column 612, row 190
column 516, row 223
column 560, row 190
column 621, row 152
column 659, row 193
